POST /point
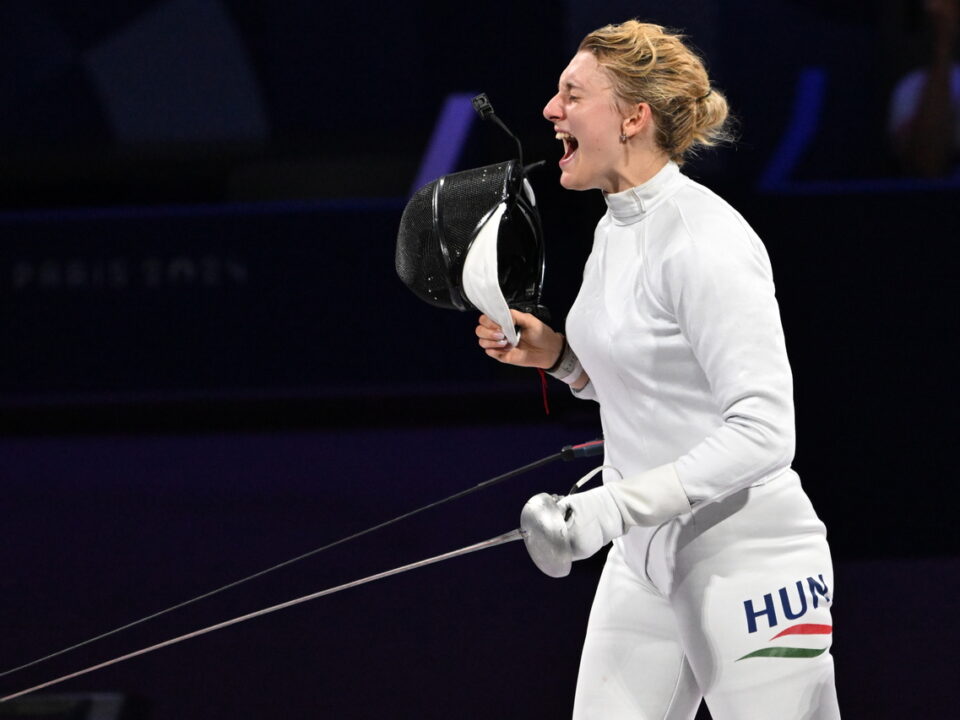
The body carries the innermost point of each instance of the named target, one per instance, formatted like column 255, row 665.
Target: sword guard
column 545, row 535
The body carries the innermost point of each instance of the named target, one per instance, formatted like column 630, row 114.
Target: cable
column 492, row 542
column 569, row 452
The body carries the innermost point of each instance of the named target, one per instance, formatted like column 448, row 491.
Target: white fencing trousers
column 730, row 604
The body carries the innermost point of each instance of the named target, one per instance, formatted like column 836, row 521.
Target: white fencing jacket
column 677, row 326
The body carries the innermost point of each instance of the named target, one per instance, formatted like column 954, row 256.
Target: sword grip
column 583, row 450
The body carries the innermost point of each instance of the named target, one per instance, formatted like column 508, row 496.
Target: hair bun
column 650, row 64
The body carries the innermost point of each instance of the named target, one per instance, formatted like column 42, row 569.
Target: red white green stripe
column 793, row 652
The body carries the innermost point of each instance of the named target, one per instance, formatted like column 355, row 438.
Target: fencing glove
column 597, row 516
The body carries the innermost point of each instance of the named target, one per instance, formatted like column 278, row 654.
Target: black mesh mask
column 442, row 220
column 484, row 221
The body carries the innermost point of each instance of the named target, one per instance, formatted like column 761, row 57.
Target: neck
column 638, row 169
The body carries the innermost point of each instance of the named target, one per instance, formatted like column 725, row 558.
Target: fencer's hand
column 539, row 345
column 593, row 519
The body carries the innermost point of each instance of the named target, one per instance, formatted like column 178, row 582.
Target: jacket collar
column 630, row 206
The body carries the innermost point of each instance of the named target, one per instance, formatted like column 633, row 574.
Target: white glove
column 593, row 520
column 607, row 512
column 650, row 498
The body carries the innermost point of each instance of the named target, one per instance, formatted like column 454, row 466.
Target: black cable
column 570, row 452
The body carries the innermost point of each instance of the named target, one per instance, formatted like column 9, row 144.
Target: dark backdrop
column 208, row 365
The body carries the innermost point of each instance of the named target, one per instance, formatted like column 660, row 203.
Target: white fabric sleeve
column 718, row 284
column 587, row 392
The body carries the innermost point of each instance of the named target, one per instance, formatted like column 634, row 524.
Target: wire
column 492, row 542
column 567, row 453
column 590, row 475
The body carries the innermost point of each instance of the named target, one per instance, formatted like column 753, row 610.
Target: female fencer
column 719, row 581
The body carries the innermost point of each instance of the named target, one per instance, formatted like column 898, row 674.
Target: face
column 585, row 116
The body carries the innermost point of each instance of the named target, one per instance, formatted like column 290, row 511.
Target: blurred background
column 208, row 364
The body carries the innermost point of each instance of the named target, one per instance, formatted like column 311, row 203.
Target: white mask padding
column 481, row 279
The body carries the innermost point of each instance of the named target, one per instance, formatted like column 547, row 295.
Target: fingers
column 493, row 344
column 488, row 323
column 489, row 334
column 491, row 338
column 520, row 319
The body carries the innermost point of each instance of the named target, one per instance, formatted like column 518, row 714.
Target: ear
column 637, row 119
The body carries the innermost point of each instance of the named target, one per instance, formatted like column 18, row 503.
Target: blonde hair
column 650, row 64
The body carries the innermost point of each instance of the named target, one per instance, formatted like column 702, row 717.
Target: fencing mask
column 473, row 240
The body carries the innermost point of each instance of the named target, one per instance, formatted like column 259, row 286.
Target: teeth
column 564, row 136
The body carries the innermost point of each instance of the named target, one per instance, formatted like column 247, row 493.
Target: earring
column 623, row 138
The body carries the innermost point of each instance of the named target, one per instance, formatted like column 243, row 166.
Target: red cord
column 543, row 390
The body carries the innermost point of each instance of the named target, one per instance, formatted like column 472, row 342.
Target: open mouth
column 570, row 146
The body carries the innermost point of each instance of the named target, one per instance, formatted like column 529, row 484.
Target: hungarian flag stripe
column 785, row 652
column 805, row 629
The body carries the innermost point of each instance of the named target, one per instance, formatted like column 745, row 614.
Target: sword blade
column 492, row 542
